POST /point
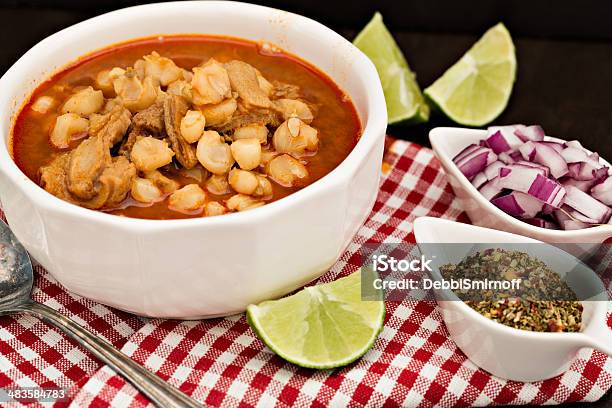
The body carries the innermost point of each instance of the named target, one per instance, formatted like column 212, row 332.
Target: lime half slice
column 405, row 103
column 475, row 90
column 323, row 326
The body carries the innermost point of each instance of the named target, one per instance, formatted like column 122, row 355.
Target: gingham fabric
column 221, row 362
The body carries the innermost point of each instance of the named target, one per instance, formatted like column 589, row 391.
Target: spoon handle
column 161, row 393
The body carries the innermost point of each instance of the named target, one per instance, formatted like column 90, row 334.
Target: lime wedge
column 405, row 103
column 476, row 89
column 323, row 326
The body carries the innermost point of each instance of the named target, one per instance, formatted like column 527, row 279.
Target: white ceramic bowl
column 209, row 266
column 447, row 142
column 510, row 353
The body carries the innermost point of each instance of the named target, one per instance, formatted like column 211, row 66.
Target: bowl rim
column 493, row 325
column 436, row 139
column 373, row 124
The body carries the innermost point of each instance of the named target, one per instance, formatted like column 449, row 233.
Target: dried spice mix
column 543, row 302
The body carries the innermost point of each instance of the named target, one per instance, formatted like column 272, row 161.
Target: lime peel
column 324, row 326
column 405, row 102
column 476, row 89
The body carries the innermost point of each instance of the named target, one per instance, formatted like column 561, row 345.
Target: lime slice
column 476, row 89
column 323, row 326
column 405, row 103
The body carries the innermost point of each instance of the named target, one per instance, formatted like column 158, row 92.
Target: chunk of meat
column 264, row 84
column 113, row 184
column 86, row 164
column 181, row 88
column 151, row 120
column 175, row 107
column 255, row 117
column 130, row 140
column 284, row 90
column 111, row 126
column 243, row 79
column 109, row 189
column 165, row 184
column 53, row 177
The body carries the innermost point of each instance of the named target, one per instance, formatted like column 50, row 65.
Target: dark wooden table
column 564, row 85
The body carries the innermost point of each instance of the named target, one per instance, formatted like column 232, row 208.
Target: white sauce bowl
column 447, row 142
column 504, row 351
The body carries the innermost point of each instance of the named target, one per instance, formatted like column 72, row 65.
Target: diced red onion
column 549, row 157
column 505, row 158
column 568, row 223
column 548, row 209
column 492, row 170
column 542, row 223
column 475, row 161
column 574, row 143
column 528, row 151
column 547, row 190
column 533, row 179
column 593, row 159
column 479, row 180
column 577, row 215
column 582, row 185
column 545, row 170
column 601, row 173
column 555, row 145
column 491, row 189
column 541, row 169
column 573, row 155
column 581, row 171
column 603, row 191
column 502, row 138
column 519, row 204
column 518, row 178
column 532, row 182
column 516, row 155
column 468, row 150
column 587, row 205
column 535, row 133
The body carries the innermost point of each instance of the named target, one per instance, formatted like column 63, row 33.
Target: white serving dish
column 446, row 143
column 501, row 350
column 209, row 266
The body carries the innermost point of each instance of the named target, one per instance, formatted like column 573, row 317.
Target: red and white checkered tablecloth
column 220, row 362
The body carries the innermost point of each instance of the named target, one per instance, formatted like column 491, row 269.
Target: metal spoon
column 16, row 279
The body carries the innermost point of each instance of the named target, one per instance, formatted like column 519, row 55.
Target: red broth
column 336, row 119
